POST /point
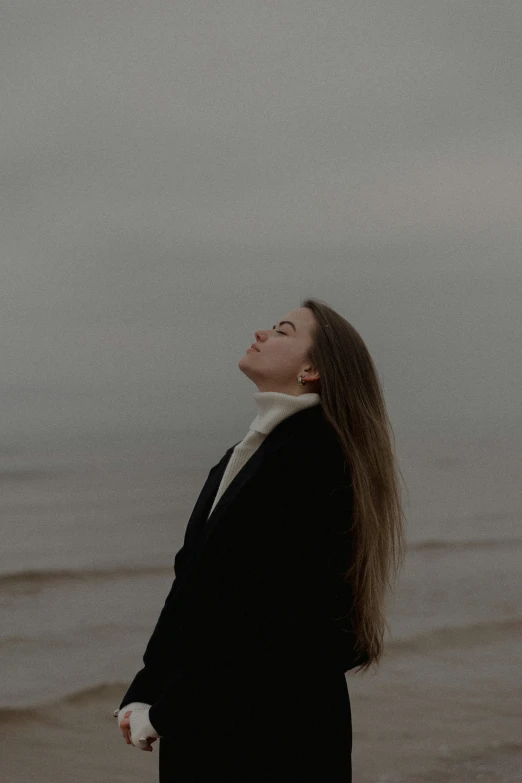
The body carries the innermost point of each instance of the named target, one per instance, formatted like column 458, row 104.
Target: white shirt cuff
column 141, row 727
column 133, row 705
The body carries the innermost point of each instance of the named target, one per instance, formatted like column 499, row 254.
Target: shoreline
column 409, row 726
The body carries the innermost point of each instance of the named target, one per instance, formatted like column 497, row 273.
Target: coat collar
column 307, row 423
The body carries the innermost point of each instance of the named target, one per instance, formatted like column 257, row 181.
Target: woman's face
column 281, row 355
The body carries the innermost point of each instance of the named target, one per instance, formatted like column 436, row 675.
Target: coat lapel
column 204, row 502
column 201, row 525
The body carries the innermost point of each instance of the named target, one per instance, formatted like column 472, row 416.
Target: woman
column 280, row 584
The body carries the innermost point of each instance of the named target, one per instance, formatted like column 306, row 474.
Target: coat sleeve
column 150, row 681
column 282, row 609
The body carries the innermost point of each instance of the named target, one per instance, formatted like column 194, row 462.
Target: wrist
column 138, row 706
column 141, row 727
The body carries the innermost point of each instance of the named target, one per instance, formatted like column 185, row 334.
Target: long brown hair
column 353, row 403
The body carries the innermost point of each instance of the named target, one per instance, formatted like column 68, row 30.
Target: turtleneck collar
column 273, row 407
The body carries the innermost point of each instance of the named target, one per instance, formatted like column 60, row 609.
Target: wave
column 42, row 578
column 60, row 641
column 460, row 636
column 500, row 760
column 112, row 692
column 477, row 543
column 445, row 638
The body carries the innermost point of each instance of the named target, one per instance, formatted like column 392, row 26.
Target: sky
column 176, row 175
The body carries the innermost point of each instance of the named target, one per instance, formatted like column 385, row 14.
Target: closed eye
column 278, row 332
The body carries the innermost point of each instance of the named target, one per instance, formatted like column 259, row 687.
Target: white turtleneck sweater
column 272, row 408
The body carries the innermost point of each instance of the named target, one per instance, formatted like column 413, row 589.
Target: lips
column 254, row 346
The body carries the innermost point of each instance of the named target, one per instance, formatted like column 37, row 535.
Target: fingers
column 148, row 746
column 150, row 741
column 125, row 727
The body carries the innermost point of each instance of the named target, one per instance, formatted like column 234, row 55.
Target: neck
column 308, row 388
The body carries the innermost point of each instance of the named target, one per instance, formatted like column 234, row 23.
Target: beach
column 81, row 589
column 410, row 724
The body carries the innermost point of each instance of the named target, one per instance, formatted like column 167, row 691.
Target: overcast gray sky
column 176, row 175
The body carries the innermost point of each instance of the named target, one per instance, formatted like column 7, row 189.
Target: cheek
column 281, row 355
column 288, row 353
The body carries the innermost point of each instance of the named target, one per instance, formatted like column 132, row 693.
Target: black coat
column 245, row 669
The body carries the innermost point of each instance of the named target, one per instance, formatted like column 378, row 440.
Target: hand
column 126, row 732
column 134, row 725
